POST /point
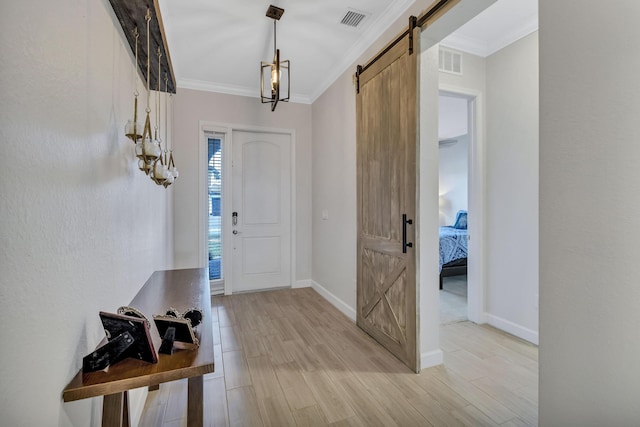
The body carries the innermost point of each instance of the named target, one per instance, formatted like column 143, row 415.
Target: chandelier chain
column 157, row 126
column 148, row 19
column 136, row 34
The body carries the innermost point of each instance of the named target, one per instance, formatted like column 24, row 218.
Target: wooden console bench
column 181, row 289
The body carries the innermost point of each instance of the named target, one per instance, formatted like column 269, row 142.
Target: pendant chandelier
column 152, row 160
column 147, row 149
column 164, row 170
column 274, row 76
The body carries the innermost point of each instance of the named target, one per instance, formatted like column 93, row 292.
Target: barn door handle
column 405, row 244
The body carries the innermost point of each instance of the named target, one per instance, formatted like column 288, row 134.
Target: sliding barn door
column 387, row 141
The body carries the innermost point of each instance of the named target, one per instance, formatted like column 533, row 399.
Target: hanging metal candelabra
column 155, row 162
column 160, row 172
column 147, row 148
column 171, row 165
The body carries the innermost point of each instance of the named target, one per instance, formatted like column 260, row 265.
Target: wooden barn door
column 387, row 142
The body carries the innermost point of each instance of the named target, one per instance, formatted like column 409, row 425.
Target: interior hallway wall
column 334, row 192
column 512, row 188
column 508, row 82
column 334, row 180
column 81, row 229
column 589, row 222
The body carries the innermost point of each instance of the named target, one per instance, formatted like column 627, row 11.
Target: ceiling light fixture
column 276, row 71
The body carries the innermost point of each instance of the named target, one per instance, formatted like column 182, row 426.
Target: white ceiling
column 217, row 45
column 497, row 26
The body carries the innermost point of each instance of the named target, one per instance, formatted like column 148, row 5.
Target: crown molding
column 480, row 48
column 465, row 44
column 233, row 90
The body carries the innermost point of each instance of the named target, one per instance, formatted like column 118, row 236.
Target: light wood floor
column 289, row 358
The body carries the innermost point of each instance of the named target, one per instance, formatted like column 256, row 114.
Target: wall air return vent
column 353, row 17
column 450, row 61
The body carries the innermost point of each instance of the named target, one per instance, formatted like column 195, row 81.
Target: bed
column 454, row 248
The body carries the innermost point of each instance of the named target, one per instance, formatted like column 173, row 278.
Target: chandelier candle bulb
column 132, row 129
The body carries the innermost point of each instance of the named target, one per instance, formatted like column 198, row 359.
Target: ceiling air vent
column 450, row 61
column 353, row 17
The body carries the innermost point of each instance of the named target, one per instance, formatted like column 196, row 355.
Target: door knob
column 236, row 232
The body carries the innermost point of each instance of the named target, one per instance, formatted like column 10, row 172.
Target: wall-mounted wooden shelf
column 131, row 14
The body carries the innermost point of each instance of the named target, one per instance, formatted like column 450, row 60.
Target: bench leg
column 115, row 410
column 195, row 402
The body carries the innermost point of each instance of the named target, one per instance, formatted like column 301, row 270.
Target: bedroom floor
column 453, row 300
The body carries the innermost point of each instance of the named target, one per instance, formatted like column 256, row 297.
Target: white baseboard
column 334, row 300
column 431, row 358
column 304, row 283
column 513, row 328
column 217, row 290
column 480, row 320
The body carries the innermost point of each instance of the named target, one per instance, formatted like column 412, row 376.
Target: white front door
column 261, row 206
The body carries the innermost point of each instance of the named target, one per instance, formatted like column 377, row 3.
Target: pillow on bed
column 461, row 220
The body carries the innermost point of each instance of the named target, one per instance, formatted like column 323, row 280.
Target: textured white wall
column 334, row 191
column 192, row 106
column 512, row 188
column 80, row 228
column 589, row 222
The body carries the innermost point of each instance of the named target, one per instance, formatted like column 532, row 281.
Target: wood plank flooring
column 289, row 358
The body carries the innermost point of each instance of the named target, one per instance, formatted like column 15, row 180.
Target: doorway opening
column 453, row 158
column 471, row 124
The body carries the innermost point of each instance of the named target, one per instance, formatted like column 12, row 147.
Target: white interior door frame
column 227, row 130
column 476, row 270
